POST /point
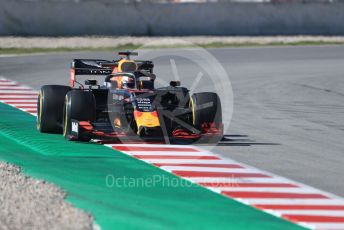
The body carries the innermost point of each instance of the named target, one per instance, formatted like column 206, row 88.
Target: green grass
column 130, row 46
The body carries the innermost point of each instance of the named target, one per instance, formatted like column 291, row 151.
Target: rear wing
column 90, row 67
column 101, row 67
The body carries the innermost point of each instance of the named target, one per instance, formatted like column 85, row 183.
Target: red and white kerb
column 19, row 96
column 279, row 196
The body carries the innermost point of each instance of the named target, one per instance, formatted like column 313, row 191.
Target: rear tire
column 206, row 109
column 50, row 108
column 81, row 106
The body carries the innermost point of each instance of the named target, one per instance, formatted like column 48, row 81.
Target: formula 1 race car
column 126, row 106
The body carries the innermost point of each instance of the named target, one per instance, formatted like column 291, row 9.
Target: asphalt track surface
column 288, row 105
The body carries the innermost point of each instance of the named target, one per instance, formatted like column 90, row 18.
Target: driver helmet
column 128, row 83
column 123, row 82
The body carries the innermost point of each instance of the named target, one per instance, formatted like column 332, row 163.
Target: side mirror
column 91, row 82
column 174, row 83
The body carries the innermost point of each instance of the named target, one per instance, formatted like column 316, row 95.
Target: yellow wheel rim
column 192, row 105
column 66, row 115
column 40, row 110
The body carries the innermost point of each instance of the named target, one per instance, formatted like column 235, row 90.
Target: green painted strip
column 81, row 170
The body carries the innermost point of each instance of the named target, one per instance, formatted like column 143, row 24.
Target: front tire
column 207, row 112
column 50, row 108
column 81, row 106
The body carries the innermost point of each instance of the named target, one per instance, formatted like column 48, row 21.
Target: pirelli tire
column 206, row 109
column 79, row 105
column 50, row 108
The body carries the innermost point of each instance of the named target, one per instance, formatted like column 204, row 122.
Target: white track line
column 14, row 102
column 327, row 226
column 208, row 169
column 19, row 105
column 183, row 161
column 30, row 97
column 294, row 201
column 154, row 145
column 252, row 189
column 14, row 87
column 159, row 153
column 312, row 212
column 8, row 84
column 19, row 92
column 236, row 180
